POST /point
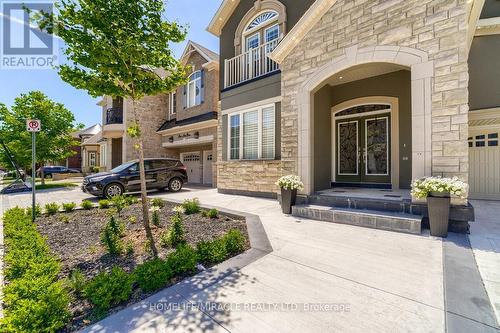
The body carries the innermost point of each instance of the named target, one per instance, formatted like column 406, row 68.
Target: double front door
column 363, row 149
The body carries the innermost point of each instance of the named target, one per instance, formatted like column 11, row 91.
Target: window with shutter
column 250, row 135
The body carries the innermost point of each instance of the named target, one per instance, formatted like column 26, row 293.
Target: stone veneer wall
column 252, row 177
column 437, row 27
column 152, row 112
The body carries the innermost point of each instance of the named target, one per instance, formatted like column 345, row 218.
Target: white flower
column 179, row 210
column 290, row 182
column 154, row 209
column 421, row 188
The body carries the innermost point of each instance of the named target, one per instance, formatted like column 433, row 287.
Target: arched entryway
column 356, row 67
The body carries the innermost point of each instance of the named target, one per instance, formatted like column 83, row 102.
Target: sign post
column 33, row 126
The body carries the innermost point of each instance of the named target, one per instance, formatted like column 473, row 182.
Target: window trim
column 263, row 24
column 240, row 113
column 172, row 104
column 193, row 81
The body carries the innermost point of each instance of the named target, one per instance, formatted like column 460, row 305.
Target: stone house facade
column 371, row 92
column 180, row 124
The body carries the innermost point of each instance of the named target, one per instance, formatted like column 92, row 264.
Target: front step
column 366, row 218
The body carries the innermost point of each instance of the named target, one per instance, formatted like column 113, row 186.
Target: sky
column 196, row 14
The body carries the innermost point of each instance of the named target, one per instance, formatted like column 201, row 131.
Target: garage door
column 484, row 165
column 192, row 162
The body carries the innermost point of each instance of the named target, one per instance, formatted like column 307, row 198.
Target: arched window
column 262, row 29
column 194, row 89
column 264, row 23
column 262, row 19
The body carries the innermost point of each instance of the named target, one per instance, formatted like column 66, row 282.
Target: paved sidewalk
column 389, row 282
column 485, row 242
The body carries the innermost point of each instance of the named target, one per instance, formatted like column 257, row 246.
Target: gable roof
column 220, row 18
column 94, row 140
column 300, row 30
column 89, row 131
column 209, row 55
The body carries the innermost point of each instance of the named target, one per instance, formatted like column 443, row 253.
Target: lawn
column 55, row 185
column 106, row 259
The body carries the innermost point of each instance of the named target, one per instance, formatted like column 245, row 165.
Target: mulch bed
column 75, row 238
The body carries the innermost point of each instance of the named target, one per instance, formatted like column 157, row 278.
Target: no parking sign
column 33, row 125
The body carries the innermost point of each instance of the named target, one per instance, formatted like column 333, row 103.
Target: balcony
column 114, row 116
column 250, row 65
column 113, row 123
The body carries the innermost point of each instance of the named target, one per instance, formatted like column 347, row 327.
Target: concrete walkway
column 371, row 280
column 485, row 242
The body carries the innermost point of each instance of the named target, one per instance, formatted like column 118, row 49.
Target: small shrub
column 212, row 252
column 191, row 206
column 213, row 213
column 119, row 202
column 64, row 219
column 111, row 236
column 234, row 241
column 77, row 281
column 131, row 200
column 147, row 247
column 152, row 275
column 176, row 231
column 86, row 204
column 69, row 207
column 204, row 213
column 129, row 248
column 38, row 211
column 155, row 217
column 52, row 208
column 132, row 219
column 157, row 202
column 165, row 239
column 182, row 260
column 104, row 204
column 109, row 289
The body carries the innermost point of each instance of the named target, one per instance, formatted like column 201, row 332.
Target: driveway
column 485, row 242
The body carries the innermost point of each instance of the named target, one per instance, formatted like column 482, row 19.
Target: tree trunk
column 42, row 175
column 144, row 195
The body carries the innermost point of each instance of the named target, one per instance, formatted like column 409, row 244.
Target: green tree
column 119, row 48
column 53, row 143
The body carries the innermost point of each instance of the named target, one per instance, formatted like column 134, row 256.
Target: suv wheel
column 113, row 190
column 175, row 185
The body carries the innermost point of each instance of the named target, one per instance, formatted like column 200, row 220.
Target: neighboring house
column 190, row 132
column 181, row 124
column 348, row 93
column 92, row 154
column 484, row 103
column 77, row 161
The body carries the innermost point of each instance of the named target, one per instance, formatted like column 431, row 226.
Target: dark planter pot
column 288, row 198
column 438, row 205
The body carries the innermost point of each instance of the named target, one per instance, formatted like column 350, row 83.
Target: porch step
column 391, row 221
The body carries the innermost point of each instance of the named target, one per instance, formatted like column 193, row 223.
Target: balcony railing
column 250, row 65
column 114, row 116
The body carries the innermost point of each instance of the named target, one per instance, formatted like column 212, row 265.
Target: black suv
column 48, row 171
column 161, row 173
